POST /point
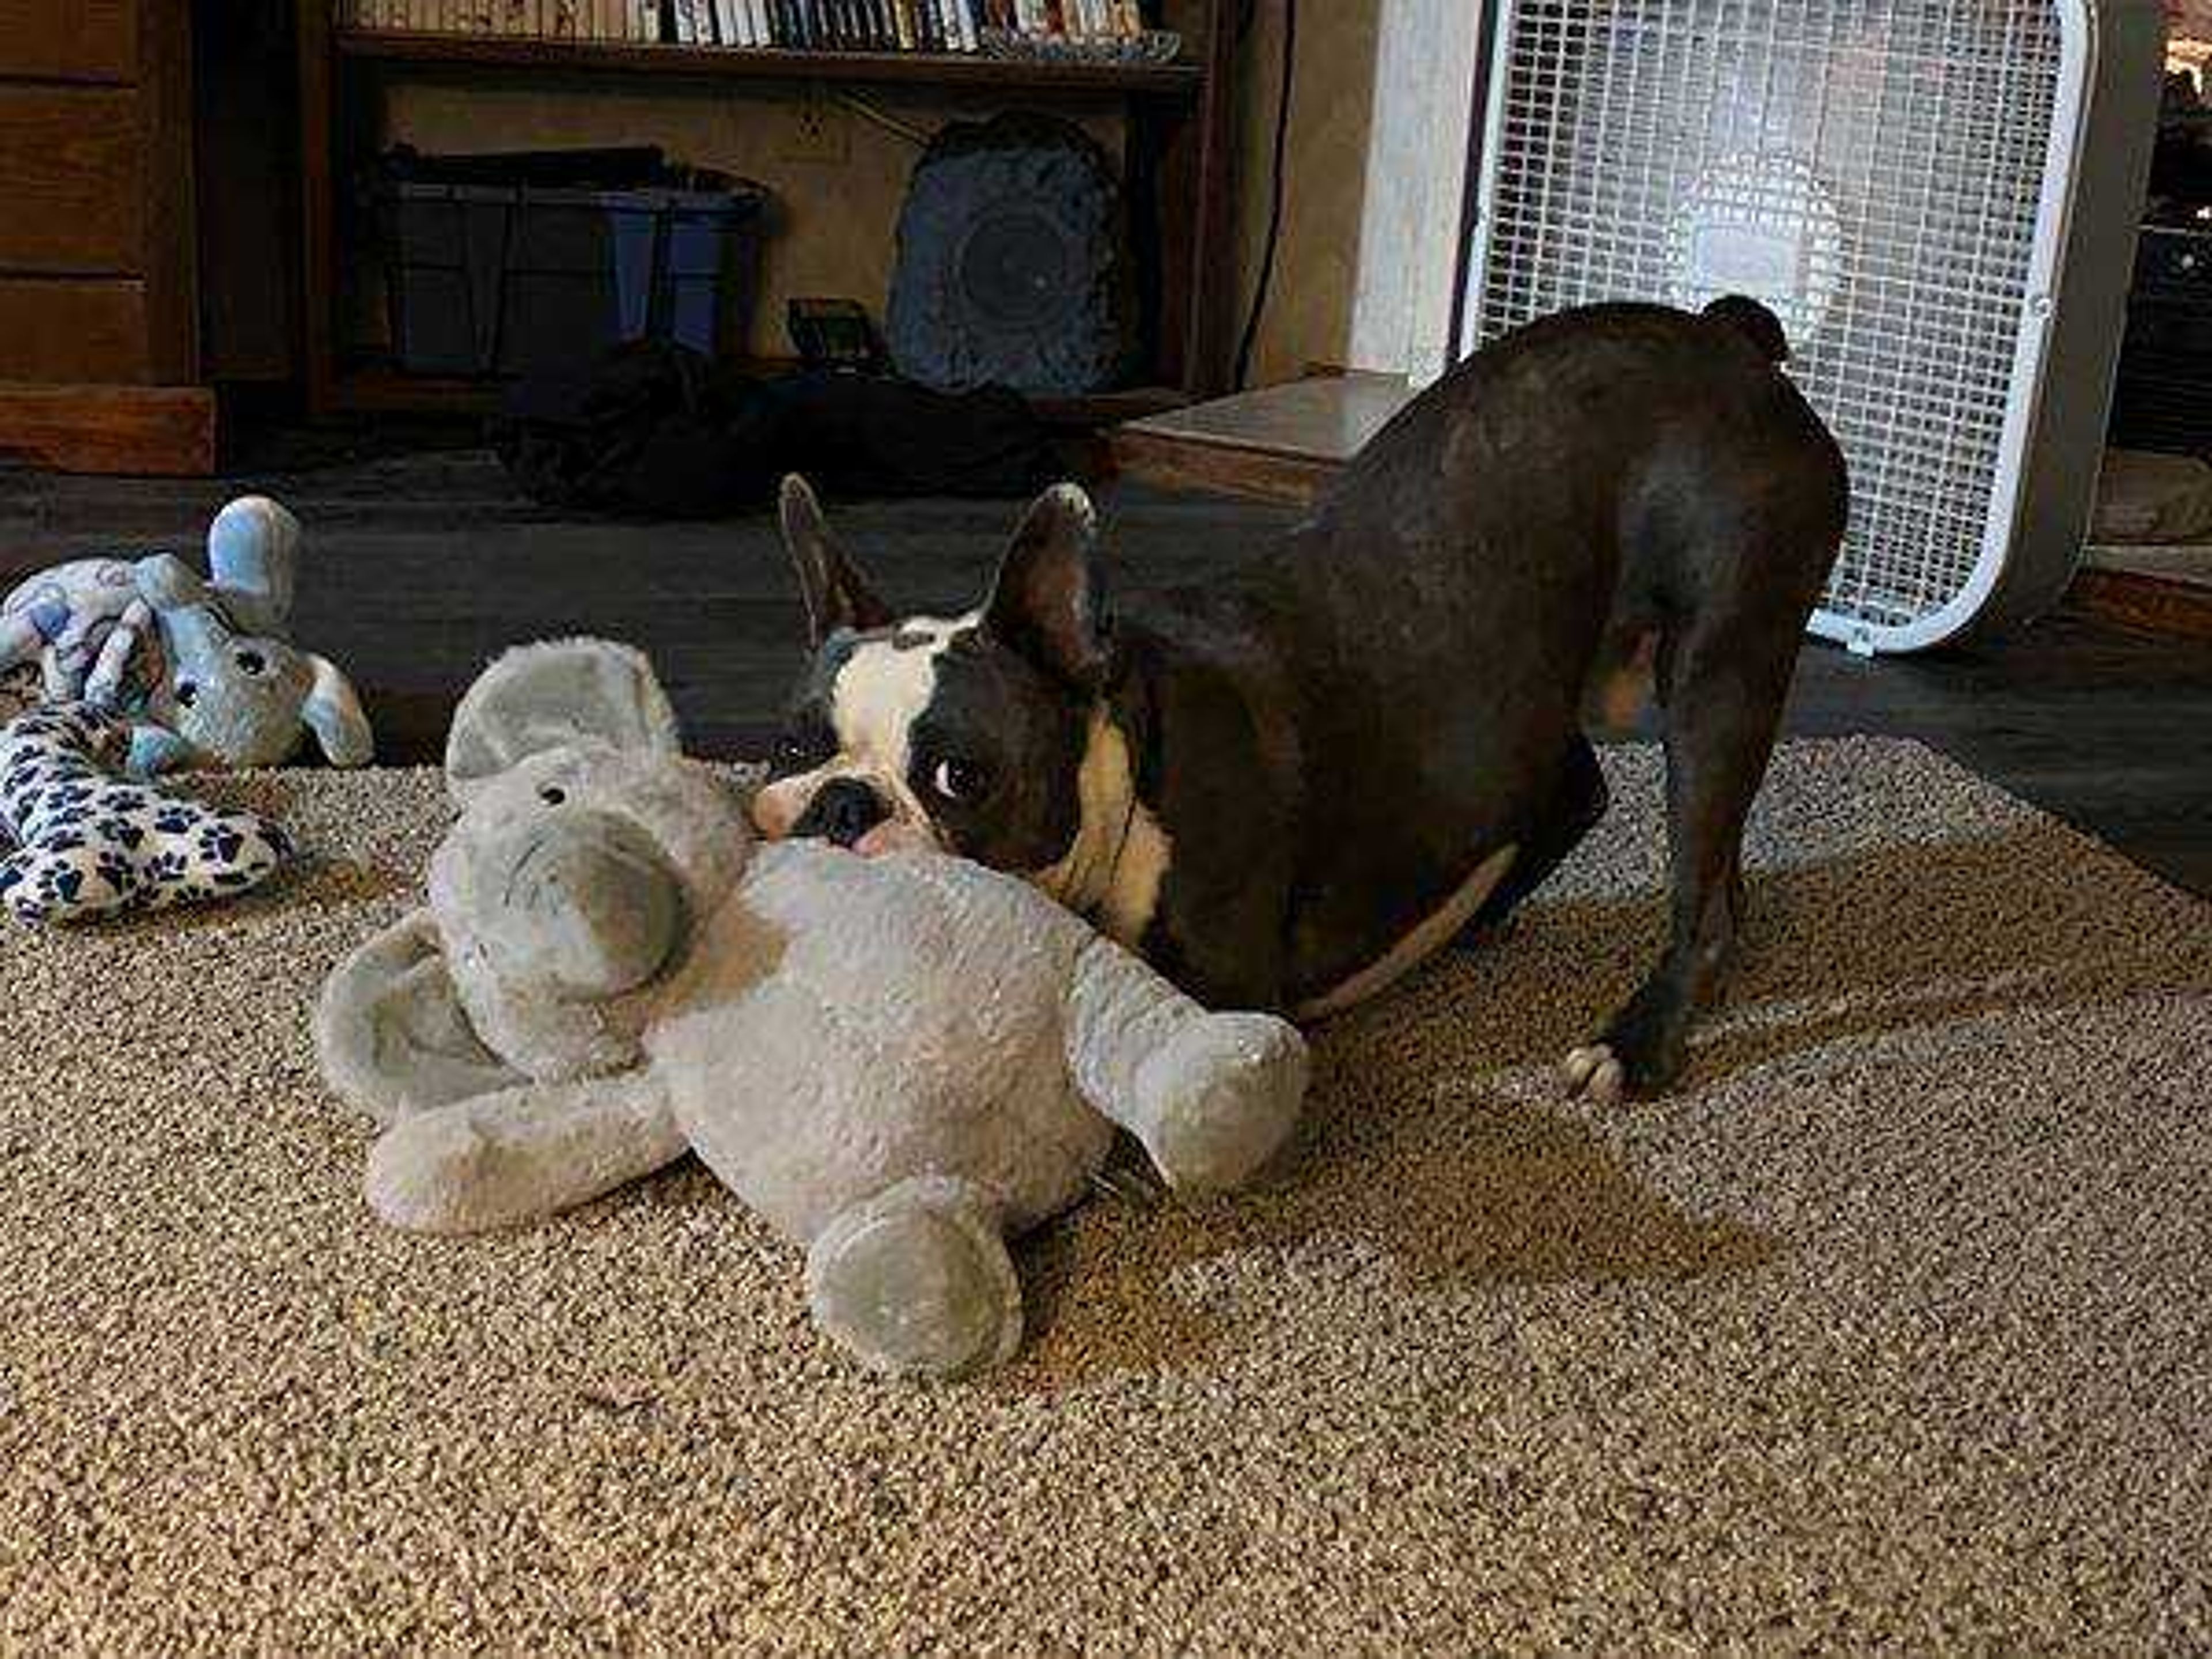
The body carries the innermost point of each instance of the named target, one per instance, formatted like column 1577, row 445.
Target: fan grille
column 1872, row 169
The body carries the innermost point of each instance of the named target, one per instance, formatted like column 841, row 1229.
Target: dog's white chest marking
column 1418, row 946
column 1113, row 871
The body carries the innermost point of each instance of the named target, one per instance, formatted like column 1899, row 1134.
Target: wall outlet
column 816, row 129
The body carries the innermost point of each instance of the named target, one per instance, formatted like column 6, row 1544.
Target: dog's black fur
column 1334, row 739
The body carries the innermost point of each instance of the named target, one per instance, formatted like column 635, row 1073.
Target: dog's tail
column 1754, row 322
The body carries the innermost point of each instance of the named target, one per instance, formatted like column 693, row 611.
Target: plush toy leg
column 1211, row 1097
column 916, row 1281
column 57, row 681
column 156, row 750
column 503, row 1160
column 111, row 669
column 21, row 642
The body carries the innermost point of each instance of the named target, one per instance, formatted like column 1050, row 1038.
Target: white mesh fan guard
column 1936, row 198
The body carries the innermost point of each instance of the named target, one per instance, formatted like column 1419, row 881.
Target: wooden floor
column 423, row 565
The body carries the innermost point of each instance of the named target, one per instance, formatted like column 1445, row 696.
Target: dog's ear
column 1047, row 602
column 837, row 595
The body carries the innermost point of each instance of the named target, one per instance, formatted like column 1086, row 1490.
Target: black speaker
column 1013, row 266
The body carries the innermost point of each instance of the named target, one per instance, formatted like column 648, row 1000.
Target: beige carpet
column 1895, row 1326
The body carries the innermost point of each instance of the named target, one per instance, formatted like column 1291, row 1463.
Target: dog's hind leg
column 1722, row 683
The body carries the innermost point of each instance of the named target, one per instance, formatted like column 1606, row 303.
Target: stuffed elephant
column 201, row 667
column 898, row 1061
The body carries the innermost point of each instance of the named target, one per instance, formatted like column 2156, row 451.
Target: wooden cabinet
column 99, row 337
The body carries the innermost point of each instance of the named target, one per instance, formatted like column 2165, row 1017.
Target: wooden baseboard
column 2142, row 600
column 1182, row 464
column 164, row 431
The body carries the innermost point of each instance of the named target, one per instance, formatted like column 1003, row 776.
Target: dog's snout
column 843, row 810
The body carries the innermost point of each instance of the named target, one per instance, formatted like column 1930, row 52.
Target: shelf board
column 759, row 63
column 383, row 391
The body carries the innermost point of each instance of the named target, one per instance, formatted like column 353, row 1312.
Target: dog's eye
column 251, row 663
column 959, row 780
column 552, row 795
column 805, row 747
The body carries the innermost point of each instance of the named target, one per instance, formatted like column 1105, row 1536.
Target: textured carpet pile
column 1894, row 1325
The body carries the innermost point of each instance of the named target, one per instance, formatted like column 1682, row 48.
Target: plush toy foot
column 916, row 1282
column 1221, row 1098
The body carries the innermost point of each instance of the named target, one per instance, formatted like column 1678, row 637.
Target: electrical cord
column 1274, row 199
column 889, row 122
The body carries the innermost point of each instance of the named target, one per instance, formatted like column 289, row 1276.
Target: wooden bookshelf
column 1175, row 167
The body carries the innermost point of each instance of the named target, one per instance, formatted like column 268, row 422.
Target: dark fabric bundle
column 654, row 430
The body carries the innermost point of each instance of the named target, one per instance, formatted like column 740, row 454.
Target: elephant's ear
column 333, row 712
column 542, row 696
column 391, row 1031
column 254, row 551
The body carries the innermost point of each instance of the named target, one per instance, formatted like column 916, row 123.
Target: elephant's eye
column 186, row 691
column 250, row 662
column 552, row 795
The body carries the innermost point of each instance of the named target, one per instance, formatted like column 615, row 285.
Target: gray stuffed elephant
column 898, row 1061
column 201, row 667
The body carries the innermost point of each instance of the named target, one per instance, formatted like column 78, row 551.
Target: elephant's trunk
column 585, row 903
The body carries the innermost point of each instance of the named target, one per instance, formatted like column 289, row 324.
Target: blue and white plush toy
column 87, row 843
column 201, row 667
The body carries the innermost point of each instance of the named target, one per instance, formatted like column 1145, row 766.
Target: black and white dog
column 1289, row 786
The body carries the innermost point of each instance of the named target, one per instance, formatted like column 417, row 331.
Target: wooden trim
column 1181, row 464
column 386, row 391
column 166, row 175
column 86, row 42
column 1210, row 325
column 2140, row 600
column 168, row 431
column 73, row 328
column 73, row 168
column 317, row 209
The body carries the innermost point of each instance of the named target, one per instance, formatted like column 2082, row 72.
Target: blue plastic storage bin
column 490, row 280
